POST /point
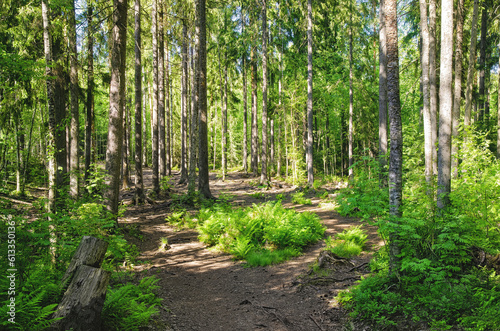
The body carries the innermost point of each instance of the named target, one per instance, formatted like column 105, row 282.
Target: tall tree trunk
column 351, row 108
column 162, row 166
column 472, row 63
column 396, row 134
column 382, row 101
column 144, row 121
column 75, row 117
column 263, row 162
column 433, row 81
column 51, row 133
column 223, row 114
column 482, row 65
column 446, row 105
column 426, row 93
column 167, row 115
column 203, row 179
column 155, row 110
column 184, row 104
column 245, row 116
column 90, row 94
column 194, row 117
column 139, row 182
column 310, row 171
column 126, row 146
column 498, row 107
column 255, row 139
column 457, row 94
column 115, row 128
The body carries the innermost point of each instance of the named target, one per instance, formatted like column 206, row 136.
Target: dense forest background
column 399, row 99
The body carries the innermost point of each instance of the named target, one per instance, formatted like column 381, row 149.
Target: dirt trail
column 207, row 291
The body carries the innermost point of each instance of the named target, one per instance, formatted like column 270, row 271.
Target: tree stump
column 81, row 306
column 82, row 303
column 90, row 252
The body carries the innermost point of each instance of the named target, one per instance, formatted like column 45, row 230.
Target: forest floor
column 204, row 290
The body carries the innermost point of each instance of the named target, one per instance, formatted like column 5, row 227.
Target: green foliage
column 262, row 234
column 130, row 306
column 166, row 183
column 257, row 195
column 365, row 198
column 298, row 198
column 348, row 243
column 438, row 281
column 181, row 219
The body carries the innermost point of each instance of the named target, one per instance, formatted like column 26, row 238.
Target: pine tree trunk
column 203, row 179
column 245, row 116
column 168, row 96
column 310, row 170
column 162, row 166
column 263, row 162
column 351, row 108
column 155, row 110
column 194, row 118
column 426, row 93
column 382, row 101
column 457, row 94
column 396, row 134
column 115, row 128
column 90, row 94
column 472, row 61
column 446, row 105
column 75, row 117
column 184, row 104
column 125, row 151
column 498, row 108
column 139, row 183
column 254, row 147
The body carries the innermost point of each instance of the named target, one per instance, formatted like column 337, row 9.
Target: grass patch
column 299, row 199
column 348, row 243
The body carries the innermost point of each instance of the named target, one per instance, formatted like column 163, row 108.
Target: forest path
column 207, row 291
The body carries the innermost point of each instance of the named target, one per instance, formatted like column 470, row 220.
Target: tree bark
column 255, row 140
column 75, row 117
column 482, row 66
column 154, row 113
column 184, row 105
column 263, row 161
column 446, row 105
column 245, row 116
column 310, row 170
column 51, row 133
column 382, row 101
column 203, row 179
column 351, row 108
column 90, row 94
column 139, row 183
column 433, row 81
column 426, row 93
column 472, row 63
column 396, row 134
column 498, row 107
column 115, row 128
column 194, row 115
column 167, row 115
column 162, row 166
column 457, row 94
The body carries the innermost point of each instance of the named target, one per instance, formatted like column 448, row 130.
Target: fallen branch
column 319, row 327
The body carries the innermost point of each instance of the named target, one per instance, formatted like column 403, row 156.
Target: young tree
column 396, row 134
column 139, row 183
column 482, row 117
column 75, row 117
column 162, row 166
column 194, row 112
column 89, row 118
column 351, row 105
column 203, row 179
column 254, row 130
column 263, row 159
column 433, row 81
column 310, row 172
column 115, row 128
column 446, row 104
column 382, row 101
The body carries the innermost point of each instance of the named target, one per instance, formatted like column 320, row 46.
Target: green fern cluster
column 262, row 234
column 348, row 243
column 299, row 199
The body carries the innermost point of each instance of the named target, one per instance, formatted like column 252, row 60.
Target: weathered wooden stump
column 82, row 303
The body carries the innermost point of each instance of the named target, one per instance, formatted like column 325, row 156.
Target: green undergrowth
column 40, row 264
column 440, row 280
column 299, row 199
column 348, row 243
column 262, row 234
